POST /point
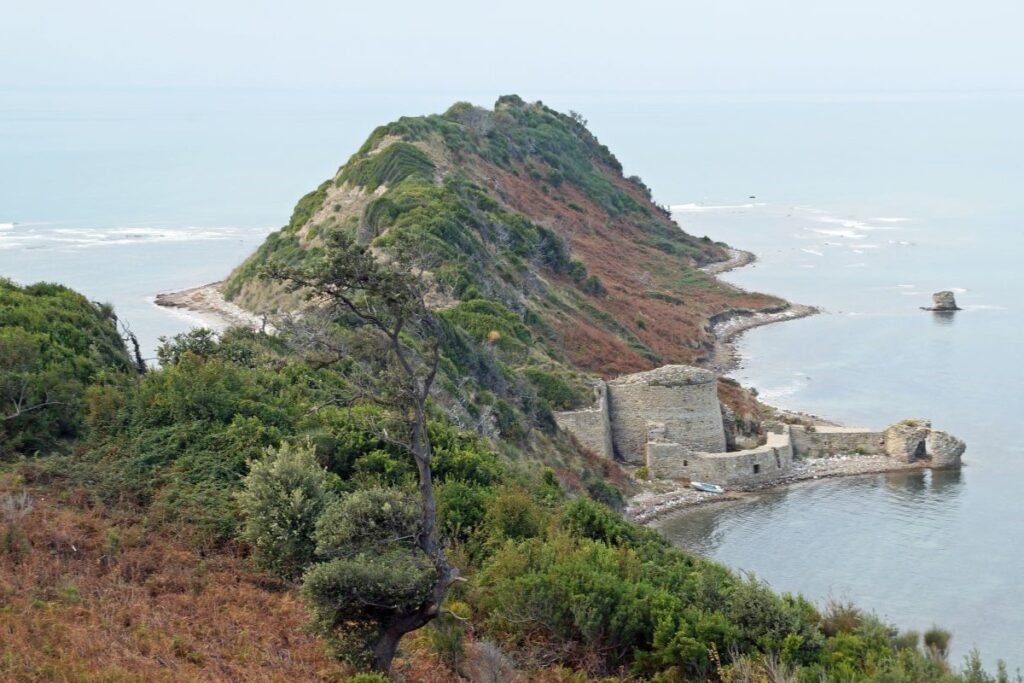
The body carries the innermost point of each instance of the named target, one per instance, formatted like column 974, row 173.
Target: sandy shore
column 207, row 301
column 667, row 498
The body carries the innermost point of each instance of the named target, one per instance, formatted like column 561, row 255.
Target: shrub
column 906, row 640
column 605, row 493
column 368, row 678
column 201, row 342
column 461, row 508
column 447, row 634
column 553, row 388
column 937, row 640
column 840, row 617
column 513, row 515
column 593, row 286
column 577, row 270
column 282, row 497
column 391, row 165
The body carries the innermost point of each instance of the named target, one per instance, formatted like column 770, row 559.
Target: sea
column 861, row 204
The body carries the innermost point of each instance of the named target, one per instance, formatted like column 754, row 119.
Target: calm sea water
column 862, row 205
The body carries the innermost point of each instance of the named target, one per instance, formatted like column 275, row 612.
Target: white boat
column 706, row 487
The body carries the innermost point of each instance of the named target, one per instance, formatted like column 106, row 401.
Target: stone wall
column 753, row 466
column 906, row 441
column 590, row 426
column 682, row 399
column 826, row 442
column 670, row 419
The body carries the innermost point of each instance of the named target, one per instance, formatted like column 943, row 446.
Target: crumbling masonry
column 670, row 420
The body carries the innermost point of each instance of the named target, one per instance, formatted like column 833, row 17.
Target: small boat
column 706, row 487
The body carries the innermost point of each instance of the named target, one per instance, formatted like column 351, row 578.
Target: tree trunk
column 384, row 651
column 140, row 364
column 387, row 644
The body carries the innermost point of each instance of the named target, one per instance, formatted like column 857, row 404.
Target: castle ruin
column 669, row 419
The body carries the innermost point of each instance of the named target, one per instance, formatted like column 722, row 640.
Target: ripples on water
column 835, row 513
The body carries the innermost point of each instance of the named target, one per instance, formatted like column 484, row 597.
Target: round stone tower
column 682, row 398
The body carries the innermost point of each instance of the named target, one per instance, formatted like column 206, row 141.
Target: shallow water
column 918, row 549
column 862, row 205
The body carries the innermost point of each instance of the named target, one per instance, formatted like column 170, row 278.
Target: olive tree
column 396, row 362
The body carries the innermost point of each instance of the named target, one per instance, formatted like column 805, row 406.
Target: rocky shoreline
column 666, row 498
column 737, row 259
column 726, row 327
column 208, row 301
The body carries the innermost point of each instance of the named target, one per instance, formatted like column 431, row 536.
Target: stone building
column 683, row 400
column 670, row 420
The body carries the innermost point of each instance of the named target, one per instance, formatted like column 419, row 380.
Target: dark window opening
column 686, row 463
column 757, row 469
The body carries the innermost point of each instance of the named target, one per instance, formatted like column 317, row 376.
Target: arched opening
column 920, row 451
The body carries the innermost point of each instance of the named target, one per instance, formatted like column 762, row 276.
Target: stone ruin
column 669, row 419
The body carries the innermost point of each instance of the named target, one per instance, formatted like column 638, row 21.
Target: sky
column 526, row 45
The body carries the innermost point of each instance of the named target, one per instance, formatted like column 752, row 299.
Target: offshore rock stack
column 942, row 302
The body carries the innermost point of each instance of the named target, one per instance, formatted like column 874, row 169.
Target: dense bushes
column 390, row 166
column 239, row 438
column 53, row 344
column 596, row 592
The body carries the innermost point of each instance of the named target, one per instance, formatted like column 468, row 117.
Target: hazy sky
column 527, row 45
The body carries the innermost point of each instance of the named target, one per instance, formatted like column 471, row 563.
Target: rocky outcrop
column 905, row 441
column 944, row 449
column 943, row 302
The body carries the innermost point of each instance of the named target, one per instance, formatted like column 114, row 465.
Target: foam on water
column 693, row 207
column 832, row 232
column 84, row 238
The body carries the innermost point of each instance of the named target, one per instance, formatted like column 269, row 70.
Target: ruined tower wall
column 590, row 426
column 682, row 399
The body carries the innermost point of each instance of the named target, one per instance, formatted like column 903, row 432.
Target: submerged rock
column 943, row 301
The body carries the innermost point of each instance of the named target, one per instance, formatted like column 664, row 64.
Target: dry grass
column 88, row 597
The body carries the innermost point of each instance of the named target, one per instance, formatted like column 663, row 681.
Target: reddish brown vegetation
column 89, row 597
column 744, row 405
column 648, row 292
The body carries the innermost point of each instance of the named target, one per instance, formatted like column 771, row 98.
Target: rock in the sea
column 905, row 441
column 944, row 301
column 944, row 449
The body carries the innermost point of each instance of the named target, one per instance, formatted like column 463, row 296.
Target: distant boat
column 706, row 487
